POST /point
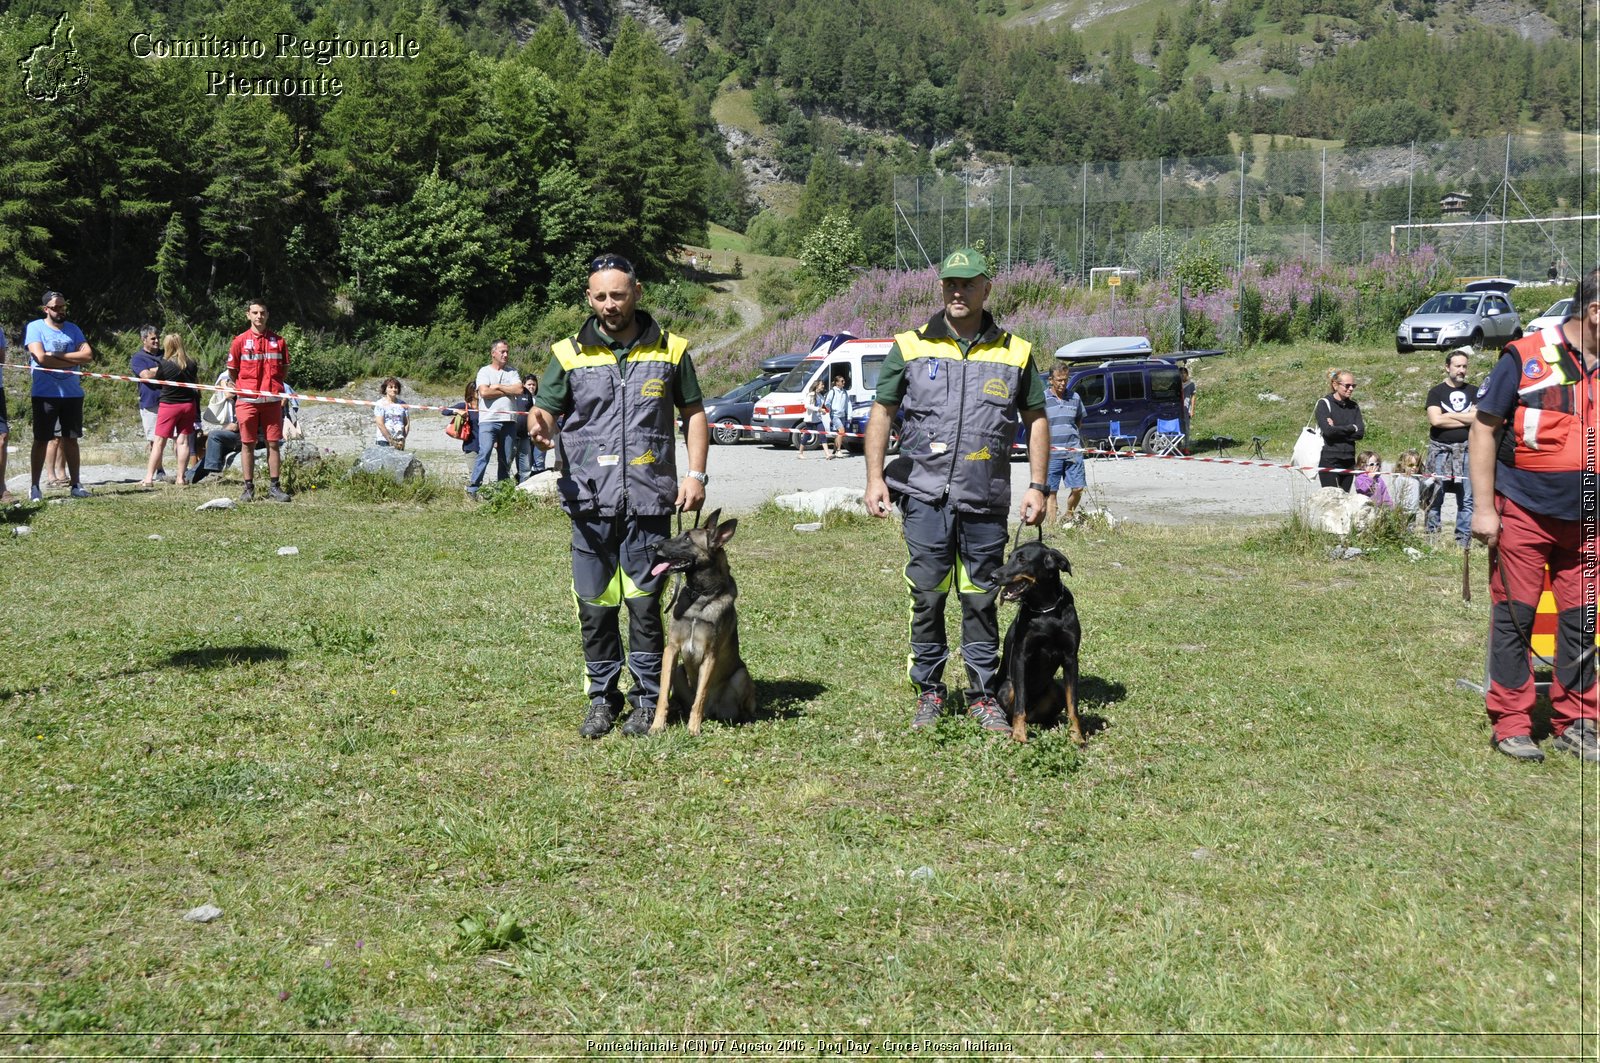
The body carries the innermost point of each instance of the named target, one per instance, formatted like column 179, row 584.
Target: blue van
column 1126, row 389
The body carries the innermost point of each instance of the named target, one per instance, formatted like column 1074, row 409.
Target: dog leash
column 1016, row 540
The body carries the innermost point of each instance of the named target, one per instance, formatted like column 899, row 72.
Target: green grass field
column 1287, row 834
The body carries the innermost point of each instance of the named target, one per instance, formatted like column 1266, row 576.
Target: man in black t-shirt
column 1452, row 408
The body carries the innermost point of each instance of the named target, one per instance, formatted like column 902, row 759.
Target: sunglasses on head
column 603, row 262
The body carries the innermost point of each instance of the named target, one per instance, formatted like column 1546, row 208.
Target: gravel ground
column 743, row 476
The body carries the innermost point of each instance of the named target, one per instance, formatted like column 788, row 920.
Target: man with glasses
column 1533, row 453
column 617, row 383
column 55, row 343
column 1338, row 418
column 1451, row 413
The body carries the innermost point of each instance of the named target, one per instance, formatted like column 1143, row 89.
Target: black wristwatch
column 1039, row 488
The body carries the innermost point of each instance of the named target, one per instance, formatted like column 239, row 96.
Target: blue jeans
column 1461, row 488
column 220, row 446
column 530, row 459
column 494, row 437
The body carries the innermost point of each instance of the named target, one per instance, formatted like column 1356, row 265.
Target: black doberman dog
column 1042, row 640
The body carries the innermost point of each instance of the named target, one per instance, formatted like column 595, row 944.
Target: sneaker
column 1580, row 740
column 277, row 494
column 248, row 494
column 598, row 721
column 79, row 491
column 199, row 474
column 987, row 712
column 639, row 720
column 930, row 706
column 1521, row 747
column 34, row 494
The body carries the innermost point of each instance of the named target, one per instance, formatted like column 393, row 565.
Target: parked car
column 1559, row 311
column 728, row 414
column 1455, row 319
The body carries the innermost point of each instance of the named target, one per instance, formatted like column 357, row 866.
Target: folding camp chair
column 1117, row 439
column 1168, row 438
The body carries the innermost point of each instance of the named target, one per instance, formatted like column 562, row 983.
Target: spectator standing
column 837, row 401
column 530, row 459
column 1064, row 409
column 618, row 382
column 1188, row 402
column 148, row 356
column 1452, row 410
column 963, row 384
column 391, row 419
column 258, row 360
column 498, row 386
column 222, row 438
column 816, row 415
column 179, row 407
column 55, row 343
column 469, row 406
column 1338, row 418
column 6, row 497
column 1531, row 452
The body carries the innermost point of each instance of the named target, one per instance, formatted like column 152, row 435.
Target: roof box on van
column 782, row 363
column 1100, row 348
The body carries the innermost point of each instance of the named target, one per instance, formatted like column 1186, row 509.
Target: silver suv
column 1455, row 319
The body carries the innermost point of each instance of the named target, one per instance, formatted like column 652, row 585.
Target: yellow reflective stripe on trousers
column 965, row 584
column 620, row 587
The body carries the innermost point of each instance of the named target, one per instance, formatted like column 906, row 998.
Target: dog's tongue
column 661, row 566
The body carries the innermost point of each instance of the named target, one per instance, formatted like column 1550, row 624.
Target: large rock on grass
column 1337, row 512
column 387, row 461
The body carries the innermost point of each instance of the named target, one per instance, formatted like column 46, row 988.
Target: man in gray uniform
column 963, row 384
column 617, row 382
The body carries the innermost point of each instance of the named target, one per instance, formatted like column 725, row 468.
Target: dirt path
column 750, row 314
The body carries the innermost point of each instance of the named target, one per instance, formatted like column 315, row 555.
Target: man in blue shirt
column 55, row 343
column 1065, row 411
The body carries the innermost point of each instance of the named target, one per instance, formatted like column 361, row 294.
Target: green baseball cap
column 964, row 263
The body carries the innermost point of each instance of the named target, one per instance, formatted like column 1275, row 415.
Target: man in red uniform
column 1532, row 450
column 259, row 363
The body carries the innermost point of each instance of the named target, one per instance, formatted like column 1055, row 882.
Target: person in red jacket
column 259, row 363
column 1532, row 451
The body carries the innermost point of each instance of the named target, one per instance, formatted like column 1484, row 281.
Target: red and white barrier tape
column 1104, row 453
column 293, row 396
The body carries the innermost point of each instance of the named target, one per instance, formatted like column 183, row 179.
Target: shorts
column 268, row 416
column 5, row 420
column 1066, row 470
column 57, row 418
column 147, row 418
column 175, row 419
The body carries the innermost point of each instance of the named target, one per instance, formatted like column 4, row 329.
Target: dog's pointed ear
column 1059, row 562
column 725, row 531
column 710, row 522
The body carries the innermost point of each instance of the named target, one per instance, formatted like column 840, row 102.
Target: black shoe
column 930, row 706
column 1579, row 739
column 1521, row 747
column 639, row 720
column 597, row 722
column 199, row 474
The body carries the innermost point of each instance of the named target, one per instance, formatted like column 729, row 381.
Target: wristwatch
column 1039, row 488
column 702, row 477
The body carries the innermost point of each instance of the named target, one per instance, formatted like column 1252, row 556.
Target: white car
column 1557, row 313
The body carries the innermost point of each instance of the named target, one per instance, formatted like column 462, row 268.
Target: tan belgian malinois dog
column 702, row 651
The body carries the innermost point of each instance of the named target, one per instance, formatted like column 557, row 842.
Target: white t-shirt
column 394, row 416
column 500, row 409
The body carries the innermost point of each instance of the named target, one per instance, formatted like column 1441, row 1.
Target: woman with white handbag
column 1338, row 417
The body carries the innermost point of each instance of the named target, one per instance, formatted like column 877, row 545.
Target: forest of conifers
column 486, row 165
